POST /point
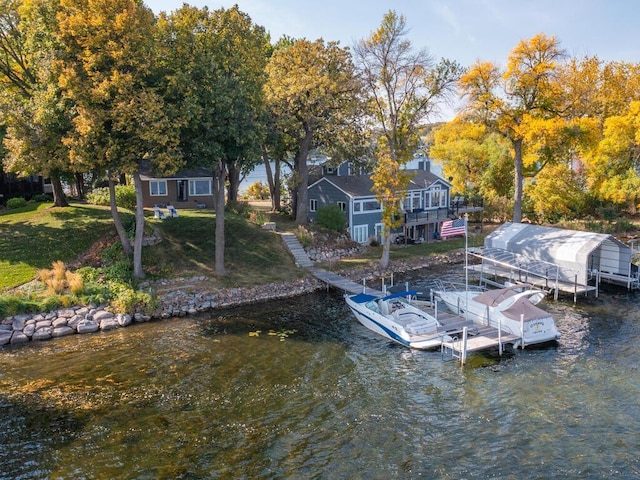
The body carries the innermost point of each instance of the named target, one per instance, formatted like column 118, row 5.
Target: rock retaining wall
column 21, row 329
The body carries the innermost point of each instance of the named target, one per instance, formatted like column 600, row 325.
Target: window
column 343, row 206
column 366, row 206
column 158, row 188
column 313, row 205
column 361, row 233
column 199, row 187
column 438, row 198
column 413, row 201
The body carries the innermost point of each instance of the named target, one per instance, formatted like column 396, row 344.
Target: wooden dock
column 344, row 284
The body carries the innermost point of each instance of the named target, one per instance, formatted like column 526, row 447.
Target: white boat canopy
column 576, row 254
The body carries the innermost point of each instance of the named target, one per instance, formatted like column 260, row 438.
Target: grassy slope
column 35, row 236
column 252, row 255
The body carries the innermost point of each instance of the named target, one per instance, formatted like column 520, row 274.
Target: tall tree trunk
column 518, row 181
column 234, row 182
column 138, row 271
column 79, row 180
column 273, row 180
column 302, row 179
column 59, row 198
column 124, row 240
column 220, row 180
column 386, row 248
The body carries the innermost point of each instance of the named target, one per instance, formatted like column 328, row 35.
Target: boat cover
column 362, row 298
column 524, row 307
column 407, row 293
column 493, row 298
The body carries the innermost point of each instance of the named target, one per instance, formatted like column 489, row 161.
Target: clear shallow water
column 205, row 399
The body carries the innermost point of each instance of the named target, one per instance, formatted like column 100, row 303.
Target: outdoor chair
column 157, row 213
column 172, row 211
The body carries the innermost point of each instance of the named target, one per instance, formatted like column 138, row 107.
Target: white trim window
column 366, row 206
column 199, row 187
column 343, row 206
column 158, row 188
column 360, row 233
column 313, row 205
column 438, row 198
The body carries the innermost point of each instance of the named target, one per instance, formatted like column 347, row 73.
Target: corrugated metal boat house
column 555, row 258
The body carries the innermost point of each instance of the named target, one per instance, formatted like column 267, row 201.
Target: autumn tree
column 615, row 164
column 313, row 93
column 501, row 99
column 404, row 89
column 214, row 62
column 35, row 116
column 477, row 162
column 107, row 71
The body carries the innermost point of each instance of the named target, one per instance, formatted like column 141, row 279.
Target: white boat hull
column 408, row 326
column 539, row 327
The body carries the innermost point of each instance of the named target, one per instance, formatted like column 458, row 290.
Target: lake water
column 323, row 397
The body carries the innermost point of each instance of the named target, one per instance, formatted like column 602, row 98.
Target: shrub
column 128, row 300
column 16, row 202
column 59, row 280
column 125, row 196
column 258, row 217
column 42, row 198
column 304, row 236
column 258, row 190
column 331, row 218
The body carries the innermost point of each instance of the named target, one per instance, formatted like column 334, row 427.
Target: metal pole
column 499, row 335
column 463, row 356
column 522, row 331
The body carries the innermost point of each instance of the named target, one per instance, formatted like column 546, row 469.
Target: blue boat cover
column 408, row 293
column 363, row 298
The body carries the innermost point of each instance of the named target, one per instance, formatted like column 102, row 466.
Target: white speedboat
column 393, row 317
column 512, row 309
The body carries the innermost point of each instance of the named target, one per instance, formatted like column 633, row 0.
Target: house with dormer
column 426, row 204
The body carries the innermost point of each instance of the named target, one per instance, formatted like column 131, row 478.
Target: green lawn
column 252, row 255
column 37, row 235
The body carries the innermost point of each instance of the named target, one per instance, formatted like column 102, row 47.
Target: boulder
column 75, row 320
column 43, row 333
column 66, row 313
column 43, row 324
column 102, row 315
column 87, row 326
column 18, row 338
column 29, row 329
column 60, row 322
column 62, row 331
column 124, row 320
column 5, row 336
column 18, row 323
column 109, row 323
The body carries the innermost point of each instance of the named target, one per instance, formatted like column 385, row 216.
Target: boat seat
column 423, row 326
column 384, row 307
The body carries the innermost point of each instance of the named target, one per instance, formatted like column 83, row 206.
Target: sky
column 462, row 30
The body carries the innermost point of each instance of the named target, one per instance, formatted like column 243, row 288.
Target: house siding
column 172, row 196
column 326, row 194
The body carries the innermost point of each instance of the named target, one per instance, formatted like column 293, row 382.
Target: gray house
column 426, row 204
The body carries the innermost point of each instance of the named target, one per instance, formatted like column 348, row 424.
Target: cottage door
column 182, row 191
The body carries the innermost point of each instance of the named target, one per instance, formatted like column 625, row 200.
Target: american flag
column 453, row 228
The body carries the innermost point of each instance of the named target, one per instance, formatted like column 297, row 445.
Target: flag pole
column 466, row 266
